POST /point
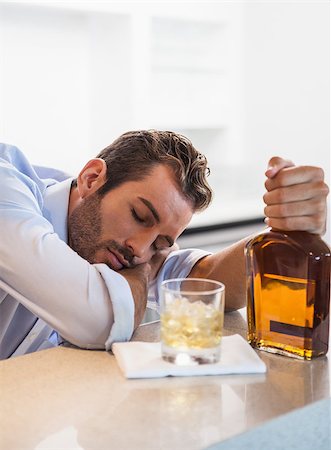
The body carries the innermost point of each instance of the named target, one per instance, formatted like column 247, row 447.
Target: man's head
column 136, row 197
column 138, row 152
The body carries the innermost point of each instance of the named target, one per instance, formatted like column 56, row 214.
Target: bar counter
column 66, row 398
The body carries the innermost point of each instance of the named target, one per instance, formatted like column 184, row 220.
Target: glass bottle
column 288, row 293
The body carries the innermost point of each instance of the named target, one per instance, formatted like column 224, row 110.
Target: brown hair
column 134, row 154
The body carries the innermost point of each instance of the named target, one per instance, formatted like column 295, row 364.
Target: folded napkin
column 143, row 360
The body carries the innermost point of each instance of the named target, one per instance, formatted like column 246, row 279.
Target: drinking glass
column 192, row 314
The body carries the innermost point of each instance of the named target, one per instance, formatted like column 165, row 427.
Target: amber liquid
column 288, row 291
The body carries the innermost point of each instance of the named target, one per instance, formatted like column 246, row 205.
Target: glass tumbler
column 192, row 314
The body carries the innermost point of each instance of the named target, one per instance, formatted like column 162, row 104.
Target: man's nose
column 141, row 246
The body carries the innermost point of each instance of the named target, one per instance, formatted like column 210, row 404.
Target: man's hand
column 295, row 197
column 158, row 259
column 138, row 278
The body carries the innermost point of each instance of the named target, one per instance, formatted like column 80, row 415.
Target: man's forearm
column 137, row 278
column 228, row 267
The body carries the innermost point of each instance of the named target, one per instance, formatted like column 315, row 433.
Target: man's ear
column 91, row 177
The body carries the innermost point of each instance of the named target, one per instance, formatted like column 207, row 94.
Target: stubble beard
column 85, row 229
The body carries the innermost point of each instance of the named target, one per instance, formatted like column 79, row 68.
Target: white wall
column 44, row 84
column 244, row 80
column 287, row 83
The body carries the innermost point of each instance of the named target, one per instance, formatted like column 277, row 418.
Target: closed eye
column 136, row 217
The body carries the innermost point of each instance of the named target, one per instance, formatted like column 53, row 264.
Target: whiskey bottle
column 288, row 293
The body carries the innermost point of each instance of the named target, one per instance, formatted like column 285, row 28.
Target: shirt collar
column 56, row 202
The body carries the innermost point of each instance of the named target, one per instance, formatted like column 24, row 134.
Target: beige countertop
column 66, row 398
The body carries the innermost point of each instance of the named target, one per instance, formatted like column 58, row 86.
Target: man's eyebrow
column 151, row 208
column 156, row 217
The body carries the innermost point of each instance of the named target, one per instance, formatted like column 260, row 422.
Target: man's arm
column 295, row 200
column 44, row 274
column 139, row 278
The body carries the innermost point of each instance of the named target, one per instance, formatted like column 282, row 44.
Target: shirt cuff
column 122, row 303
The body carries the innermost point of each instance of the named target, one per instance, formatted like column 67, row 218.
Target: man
column 82, row 256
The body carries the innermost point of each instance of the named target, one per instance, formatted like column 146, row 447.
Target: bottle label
column 292, row 330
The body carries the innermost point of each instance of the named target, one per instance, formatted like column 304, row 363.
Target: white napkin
column 143, row 360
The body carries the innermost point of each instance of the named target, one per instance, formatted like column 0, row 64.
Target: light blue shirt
column 44, row 284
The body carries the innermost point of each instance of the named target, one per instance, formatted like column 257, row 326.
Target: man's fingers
column 304, row 208
column 298, row 207
column 276, row 164
column 313, row 224
column 295, row 197
column 158, row 259
column 296, row 193
column 174, row 247
column 295, row 175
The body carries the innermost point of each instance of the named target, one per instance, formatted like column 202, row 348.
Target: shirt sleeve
column 91, row 306
column 177, row 265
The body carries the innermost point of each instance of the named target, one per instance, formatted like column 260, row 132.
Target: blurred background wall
column 244, row 80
